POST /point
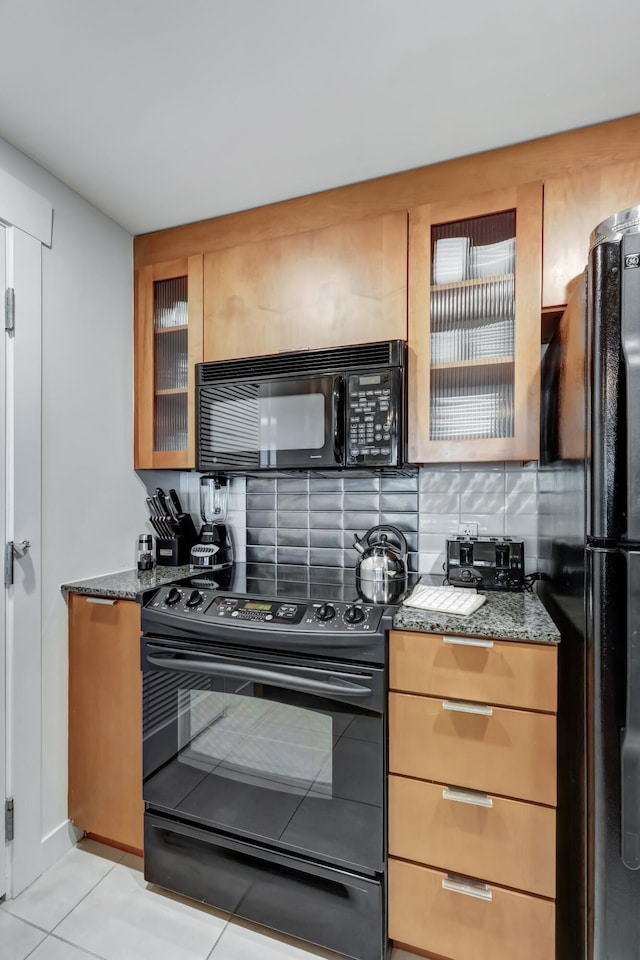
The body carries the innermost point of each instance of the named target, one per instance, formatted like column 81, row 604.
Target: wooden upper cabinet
column 168, row 344
column 336, row 286
column 474, row 327
column 574, row 204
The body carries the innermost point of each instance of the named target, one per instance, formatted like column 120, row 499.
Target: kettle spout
column 357, row 542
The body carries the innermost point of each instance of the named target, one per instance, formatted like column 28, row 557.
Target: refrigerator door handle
column 630, row 344
column 630, row 747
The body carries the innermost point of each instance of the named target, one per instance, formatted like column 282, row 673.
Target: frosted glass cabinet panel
column 168, row 343
column 474, row 327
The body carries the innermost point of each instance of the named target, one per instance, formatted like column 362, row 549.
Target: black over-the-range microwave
column 305, row 409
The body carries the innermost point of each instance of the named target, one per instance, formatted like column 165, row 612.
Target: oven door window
column 279, row 423
column 297, row 770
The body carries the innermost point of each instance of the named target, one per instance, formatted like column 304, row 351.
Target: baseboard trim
column 58, row 842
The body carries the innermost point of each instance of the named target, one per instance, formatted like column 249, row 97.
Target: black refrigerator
column 590, row 540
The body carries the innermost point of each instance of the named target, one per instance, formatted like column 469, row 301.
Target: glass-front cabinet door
column 474, row 327
column 168, row 344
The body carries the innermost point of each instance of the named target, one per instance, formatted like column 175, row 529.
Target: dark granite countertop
column 513, row 616
column 127, row 584
column 510, row 616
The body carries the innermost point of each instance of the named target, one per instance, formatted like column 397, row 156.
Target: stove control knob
column 325, row 612
column 195, row 598
column 174, row 596
column 354, row 614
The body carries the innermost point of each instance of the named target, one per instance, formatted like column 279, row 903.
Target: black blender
column 214, row 550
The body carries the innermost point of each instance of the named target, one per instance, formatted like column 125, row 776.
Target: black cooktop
column 308, row 611
column 289, row 582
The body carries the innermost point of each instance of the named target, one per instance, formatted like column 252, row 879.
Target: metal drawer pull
column 461, row 706
column 467, row 796
column 470, row 889
column 469, row 641
column 101, row 600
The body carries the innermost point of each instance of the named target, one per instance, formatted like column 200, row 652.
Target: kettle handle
column 399, row 536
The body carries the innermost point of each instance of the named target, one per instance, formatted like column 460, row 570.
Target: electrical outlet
column 467, row 529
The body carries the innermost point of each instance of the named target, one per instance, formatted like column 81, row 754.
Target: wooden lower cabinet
column 509, row 752
column 472, row 796
column 507, row 672
column 432, row 911
column 105, row 719
column 479, row 835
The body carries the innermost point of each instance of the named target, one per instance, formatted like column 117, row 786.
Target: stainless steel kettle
column 381, row 573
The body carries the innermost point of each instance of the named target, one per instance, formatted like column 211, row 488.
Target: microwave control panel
column 372, row 418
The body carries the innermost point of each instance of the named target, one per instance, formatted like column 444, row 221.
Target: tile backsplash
column 312, row 519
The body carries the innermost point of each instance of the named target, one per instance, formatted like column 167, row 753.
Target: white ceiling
column 163, row 112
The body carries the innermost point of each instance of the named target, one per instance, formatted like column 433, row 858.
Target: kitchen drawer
column 509, row 926
column 502, row 841
column 506, row 672
column 508, row 752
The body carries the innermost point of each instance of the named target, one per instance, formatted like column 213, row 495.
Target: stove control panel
column 257, row 611
column 263, row 612
column 338, row 615
column 180, row 600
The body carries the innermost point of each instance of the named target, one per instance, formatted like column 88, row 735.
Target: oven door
column 271, row 424
column 286, row 753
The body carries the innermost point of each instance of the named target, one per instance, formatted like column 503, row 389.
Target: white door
column 3, row 726
column 22, row 522
column 26, row 224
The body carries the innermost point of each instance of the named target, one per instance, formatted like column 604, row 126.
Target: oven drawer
column 335, row 909
column 506, row 672
column 493, row 924
column 491, row 749
column 503, row 841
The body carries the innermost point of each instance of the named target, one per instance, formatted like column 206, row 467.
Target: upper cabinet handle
column 468, row 641
column 462, row 706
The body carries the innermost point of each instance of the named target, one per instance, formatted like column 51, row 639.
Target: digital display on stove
column 256, row 605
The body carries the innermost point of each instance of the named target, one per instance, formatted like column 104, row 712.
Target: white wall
column 92, row 501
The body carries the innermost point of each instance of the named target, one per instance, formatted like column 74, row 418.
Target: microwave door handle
column 338, row 420
column 257, row 675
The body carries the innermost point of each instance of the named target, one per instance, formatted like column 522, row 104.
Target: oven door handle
column 255, row 674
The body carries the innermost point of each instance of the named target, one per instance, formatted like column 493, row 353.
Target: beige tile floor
column 94, row 903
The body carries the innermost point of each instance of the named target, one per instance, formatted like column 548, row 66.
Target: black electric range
column 311, row 611
column 264, row 750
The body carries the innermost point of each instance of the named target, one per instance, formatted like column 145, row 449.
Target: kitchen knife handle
column 175, row 499
column 162, row 500
column 171, row 507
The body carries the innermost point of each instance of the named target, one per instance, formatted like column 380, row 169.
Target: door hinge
column 8, row 819
column 9, row 310
column 12, row 550
column 8, row 563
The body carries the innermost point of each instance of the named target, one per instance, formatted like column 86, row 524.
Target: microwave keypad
column 370, row 427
